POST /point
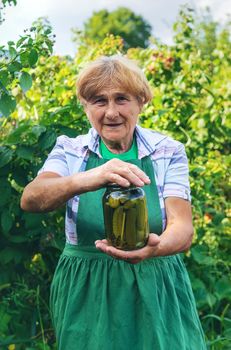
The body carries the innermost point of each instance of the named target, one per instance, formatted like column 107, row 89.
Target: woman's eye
column 100, row 101
column 122, row 98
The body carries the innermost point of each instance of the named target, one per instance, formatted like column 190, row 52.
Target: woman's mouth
column 113, row 125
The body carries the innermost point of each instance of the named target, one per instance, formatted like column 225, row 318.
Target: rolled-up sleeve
column 176, row 182
column 56, row 160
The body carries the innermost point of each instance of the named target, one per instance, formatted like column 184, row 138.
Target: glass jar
column 125, row 217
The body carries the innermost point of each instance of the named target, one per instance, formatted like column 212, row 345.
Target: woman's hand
column 176, row 238
column 50, row 190
column 119, row 172
column 134, row 256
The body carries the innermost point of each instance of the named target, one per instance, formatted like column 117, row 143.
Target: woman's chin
column 113, row 135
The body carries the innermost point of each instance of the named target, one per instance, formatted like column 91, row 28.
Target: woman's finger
column 131, row 176
column 118, row 179
column 153, row 239
column 121, row 254
column 139, row 173
column 133, row 256
column 125, row 174
column 104, row 241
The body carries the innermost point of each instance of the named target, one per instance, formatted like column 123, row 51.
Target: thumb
column 153, row 239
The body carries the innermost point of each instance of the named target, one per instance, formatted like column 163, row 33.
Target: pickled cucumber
column 123, row 199
column 118, row 221
column 141, row 214
column 107, row 219
column 114, row 202
column 130, row 227
column 129, row 204
column 123, row 227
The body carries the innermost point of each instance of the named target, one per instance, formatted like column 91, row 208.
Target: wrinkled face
column 114, row 114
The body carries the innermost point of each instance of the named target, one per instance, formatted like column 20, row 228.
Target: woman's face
column 114, row 114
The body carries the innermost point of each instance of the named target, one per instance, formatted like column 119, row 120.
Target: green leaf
column 20, row 177
column 6, row 221
column 24, row 56
column 21, row 255
column 25, row 81
column 227, row 333
column 5, row 319
column 7, row 104
column 37, row 130
column 5, row 190
column 67, row 131
column 223, row 288
column 12, row 52
column 6, row 155
column 4, row 77
column 187, row 110
column 14, row 208
column 14, row 67
column 25, row 152
column 47, row 140
column 10, row 43
column 212, row 316
column 48, row 31
column 211, row 299
column 4, row 286
column 21, row 41
column 200, row 255
column 17, row 135
column 210, row 101
column 8, row 254
column 197, row 283
column 4, row 172
column 62, row 109
column 49, row 46
column 179, row 79
column 33, row 57
column 33, row 221
column 30, row 42
column 162, row 112
column 18, row 238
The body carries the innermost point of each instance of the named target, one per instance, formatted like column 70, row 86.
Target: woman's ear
column 141, row 105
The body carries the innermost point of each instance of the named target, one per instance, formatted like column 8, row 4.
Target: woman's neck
column 118, row 147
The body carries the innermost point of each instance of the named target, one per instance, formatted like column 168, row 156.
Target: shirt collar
column 147, row 141
column 91, row 141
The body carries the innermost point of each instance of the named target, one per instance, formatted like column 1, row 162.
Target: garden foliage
column 134, row 29
column 192, row 94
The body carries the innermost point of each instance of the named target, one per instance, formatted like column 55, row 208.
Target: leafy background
column 192, row 93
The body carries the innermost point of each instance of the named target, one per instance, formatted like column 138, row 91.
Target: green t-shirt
column 132, row 153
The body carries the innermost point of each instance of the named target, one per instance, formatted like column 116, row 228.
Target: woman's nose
column 111, row 110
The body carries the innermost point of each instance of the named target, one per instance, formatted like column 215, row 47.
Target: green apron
column 101, row 303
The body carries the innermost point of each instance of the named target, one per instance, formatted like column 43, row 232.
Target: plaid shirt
column 168, row 156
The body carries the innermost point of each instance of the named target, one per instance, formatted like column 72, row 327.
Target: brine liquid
column 126, row 221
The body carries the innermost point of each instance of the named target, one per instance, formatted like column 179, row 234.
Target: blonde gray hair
column 113, row 71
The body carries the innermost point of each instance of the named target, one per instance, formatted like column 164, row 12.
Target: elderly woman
column 102, row 297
